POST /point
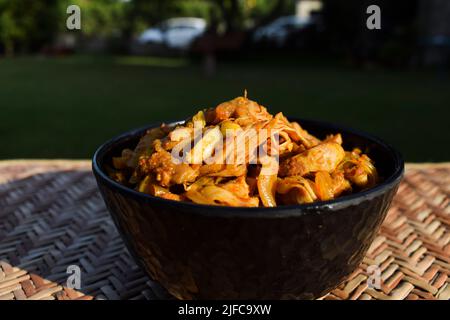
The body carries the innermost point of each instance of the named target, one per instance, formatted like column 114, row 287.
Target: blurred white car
column 152, row 35
column 278, row 31
column 175, row 33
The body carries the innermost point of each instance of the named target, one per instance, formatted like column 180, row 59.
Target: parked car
column 278, row 31
column 151, row 36
column 175, row 33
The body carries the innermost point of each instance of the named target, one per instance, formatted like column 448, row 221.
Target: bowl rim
column 300, row 209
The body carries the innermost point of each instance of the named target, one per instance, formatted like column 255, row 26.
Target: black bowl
column 287, row 252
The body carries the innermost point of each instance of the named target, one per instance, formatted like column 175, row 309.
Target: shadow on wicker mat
column 50, row 221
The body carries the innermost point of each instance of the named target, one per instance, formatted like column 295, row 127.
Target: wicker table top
column 51, row 216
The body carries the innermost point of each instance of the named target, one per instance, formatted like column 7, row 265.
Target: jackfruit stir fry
column 238, row 154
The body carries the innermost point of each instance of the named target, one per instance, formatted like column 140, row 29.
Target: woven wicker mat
column 51, row 217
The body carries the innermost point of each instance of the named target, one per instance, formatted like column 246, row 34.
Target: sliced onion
column 266, row 189
column 324, row 185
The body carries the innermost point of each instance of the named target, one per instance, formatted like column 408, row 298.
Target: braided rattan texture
column 51, row 217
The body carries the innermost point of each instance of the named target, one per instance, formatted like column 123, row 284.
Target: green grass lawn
column 66, row 107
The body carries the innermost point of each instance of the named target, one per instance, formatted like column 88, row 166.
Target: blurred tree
column 233, row 15
column 28, row 25
column 265, row 11
column 100, row 17
column 237, row 13
column 346, row 32
column 143, row 13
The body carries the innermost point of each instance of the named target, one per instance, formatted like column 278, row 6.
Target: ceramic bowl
column 287, row 252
